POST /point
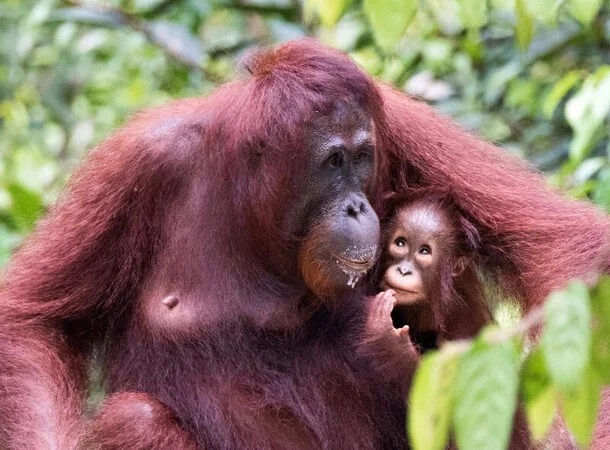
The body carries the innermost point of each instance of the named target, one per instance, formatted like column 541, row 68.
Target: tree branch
column 122, row 17
column 531, row 321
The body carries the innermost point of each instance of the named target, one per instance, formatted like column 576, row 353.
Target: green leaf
column 8, row 241
column 485, row 396
column 586, row 112
column 430, row 401
column 539, row 396
column 560, row 89
column 601, row 194
column 543, row 10
column 524, row 28
column 31, row 169
column 600, row 306
column 566, row 339
column 584, row 10
column 473, row 13
column 580, row 406
column 368, row 58
column 223, row 29
column 389, row 19
column 330, row 12
column 175, row 37
column 26, row 207
column 588, row 168
column 498, row 81
column 446, row 14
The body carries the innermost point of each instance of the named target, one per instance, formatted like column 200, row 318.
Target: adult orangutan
column 201, row 258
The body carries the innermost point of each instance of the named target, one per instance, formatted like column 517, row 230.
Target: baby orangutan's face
column 419, row 235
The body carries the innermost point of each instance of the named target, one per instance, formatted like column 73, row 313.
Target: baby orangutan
column 432, row 293
column 431, row 289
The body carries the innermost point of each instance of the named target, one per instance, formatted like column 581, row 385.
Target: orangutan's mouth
column 354, row 269
column 354, row 265
column 398, row 291
column 387, row 285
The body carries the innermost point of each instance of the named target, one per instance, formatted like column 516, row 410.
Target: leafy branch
column 474, row 385
column 175, row 40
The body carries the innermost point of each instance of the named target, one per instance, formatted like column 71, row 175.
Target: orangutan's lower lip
column 354, row 265
column 398, row 290
column 353, row 269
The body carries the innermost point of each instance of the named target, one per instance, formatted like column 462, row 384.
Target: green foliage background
column 533, row 76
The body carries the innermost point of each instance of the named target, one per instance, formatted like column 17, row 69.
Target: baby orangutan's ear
column 459, row 266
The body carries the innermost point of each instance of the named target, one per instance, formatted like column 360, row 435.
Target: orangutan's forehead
column 345, row 125
column 345, row 114
column 358, row 138
column 425, row 220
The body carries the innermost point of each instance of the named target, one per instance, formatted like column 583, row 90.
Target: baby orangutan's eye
column 425, row 250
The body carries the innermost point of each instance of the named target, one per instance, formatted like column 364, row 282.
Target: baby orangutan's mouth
column 398, row 289
column 404, row 291
column 385, row 284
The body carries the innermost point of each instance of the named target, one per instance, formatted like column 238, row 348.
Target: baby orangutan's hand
column 393, row 355
column 379, row 323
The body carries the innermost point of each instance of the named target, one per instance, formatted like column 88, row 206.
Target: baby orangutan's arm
column 394, row 354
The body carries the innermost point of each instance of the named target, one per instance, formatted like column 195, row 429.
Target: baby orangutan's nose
column 404, row 270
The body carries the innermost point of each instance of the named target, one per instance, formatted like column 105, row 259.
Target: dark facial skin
column 419, row 241
column 342, row 230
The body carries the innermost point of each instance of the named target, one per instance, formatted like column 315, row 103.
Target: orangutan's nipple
column 171, row 301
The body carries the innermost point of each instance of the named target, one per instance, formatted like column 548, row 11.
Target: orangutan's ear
column 460, row 265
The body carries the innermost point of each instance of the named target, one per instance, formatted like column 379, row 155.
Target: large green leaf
column 600, row 305
column 524, row 27
column 579, row 407
column 566, row 339
column 8, row 241
column 584, row 10
column 543, row 10
column 539, row 396
column 26, row 207
column 586, row 112
column 430, row 401
column 473, row 13
column 389, row 19
column 560, row 89
column 329, row 12
column 485, row 396
column 601, row 194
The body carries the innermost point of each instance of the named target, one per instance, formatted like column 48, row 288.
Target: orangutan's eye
column 425, row 250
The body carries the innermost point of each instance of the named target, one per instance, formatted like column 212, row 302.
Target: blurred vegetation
column 533, row 76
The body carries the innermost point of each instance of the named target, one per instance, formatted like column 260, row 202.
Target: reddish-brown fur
column 535, row 238
column 180, row 202
column 532, row 238
column 131, row 418
column 188, row 200
column 456, row 303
